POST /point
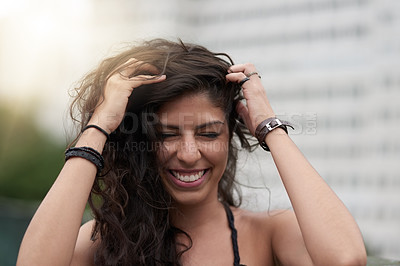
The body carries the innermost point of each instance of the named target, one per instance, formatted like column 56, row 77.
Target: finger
column 147, row 79
column 237, row 68
column 244, row 68
column 142, row 67
column 149, row 68
column 132, row 66
column 235, row 77
column 128, row 67
column 137, row 81
column 241, row 79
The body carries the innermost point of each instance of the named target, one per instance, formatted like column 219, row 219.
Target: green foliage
column 29, row 159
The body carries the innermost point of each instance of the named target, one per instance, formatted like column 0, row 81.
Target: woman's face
column 194, row 153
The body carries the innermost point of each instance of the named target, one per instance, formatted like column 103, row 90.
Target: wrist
column 106, row 122
column 105, row 133
column 271, row 137
column 87, row 153
column 266, row 114
column 267, row 126
column 93, row 138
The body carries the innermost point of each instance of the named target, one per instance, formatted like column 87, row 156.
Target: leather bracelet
column 267, row 126
column 98, row 128
column 87, row 153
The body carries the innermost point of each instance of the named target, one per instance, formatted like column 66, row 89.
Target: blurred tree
column 29, row 159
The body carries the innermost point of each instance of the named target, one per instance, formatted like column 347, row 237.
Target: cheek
column 220, row 148
column 164, row 152
column 217, row 152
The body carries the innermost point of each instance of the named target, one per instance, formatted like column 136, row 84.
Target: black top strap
column 231, row 221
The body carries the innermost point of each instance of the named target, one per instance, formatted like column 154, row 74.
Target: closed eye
column 210, row 135
column 166, row 135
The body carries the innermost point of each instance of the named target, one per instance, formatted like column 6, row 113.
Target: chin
column 190, row 198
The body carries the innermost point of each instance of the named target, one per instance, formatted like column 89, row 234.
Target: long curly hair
column 129, row 203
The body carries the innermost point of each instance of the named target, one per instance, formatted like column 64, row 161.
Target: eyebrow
column 215, row 122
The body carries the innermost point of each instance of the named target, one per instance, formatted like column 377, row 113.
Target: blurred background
column 331, row 67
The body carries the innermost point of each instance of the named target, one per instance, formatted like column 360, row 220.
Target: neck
column 195, row 218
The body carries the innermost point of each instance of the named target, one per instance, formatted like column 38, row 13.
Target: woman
column 168, row 120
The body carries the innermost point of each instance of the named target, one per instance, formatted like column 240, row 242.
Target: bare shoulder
column 272, row 235
column 85, row 247
column 265, row 220
column 255, row 234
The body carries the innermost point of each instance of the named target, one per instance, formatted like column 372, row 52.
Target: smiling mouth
column 188, row 177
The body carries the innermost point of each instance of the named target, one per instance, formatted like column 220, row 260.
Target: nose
column 188, row 152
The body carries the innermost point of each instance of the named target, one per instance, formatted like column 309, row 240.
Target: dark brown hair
column 129, row 203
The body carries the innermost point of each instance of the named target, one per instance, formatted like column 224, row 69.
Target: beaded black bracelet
column 98, row 128
column 93, row 152
column 87, row 153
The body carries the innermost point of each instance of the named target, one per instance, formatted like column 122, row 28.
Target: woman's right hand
column 111, row 107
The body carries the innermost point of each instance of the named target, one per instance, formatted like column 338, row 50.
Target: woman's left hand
column 257, row 106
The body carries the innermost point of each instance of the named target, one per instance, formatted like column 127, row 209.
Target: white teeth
column 188, row 178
